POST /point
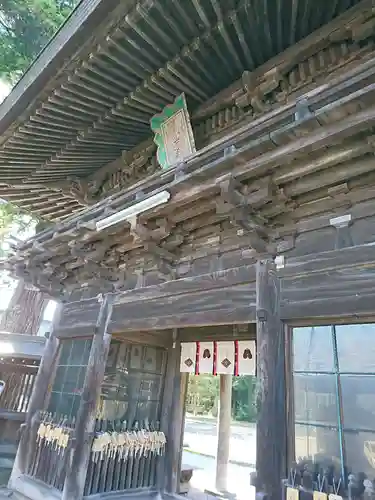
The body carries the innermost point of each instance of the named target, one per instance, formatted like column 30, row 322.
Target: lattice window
column 133, row 383
column 70, row 376
column 334, row 387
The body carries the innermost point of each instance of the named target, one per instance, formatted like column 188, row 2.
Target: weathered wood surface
column 27, row 443
column 181, row 304
column 350, row 258
column 199, row 319
column 161, row 338
column 18, row 388
column 75, row 313
column 228, row 296
column 197, row 284
column 217, row 332
column 289, row 402
column 93, row 126
column 297, row 52
column 271, row 400
column 169, row 401
column 176, row 430
column 35, row 490
column 85, row 424
column 24, row 349
column 306, row 166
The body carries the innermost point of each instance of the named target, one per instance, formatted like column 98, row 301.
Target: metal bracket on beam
column 230, row 150
column 302, row 110
column 280, row 261
column 180, row 172
column 261, row 315
column 343, row 234
column 341, row 221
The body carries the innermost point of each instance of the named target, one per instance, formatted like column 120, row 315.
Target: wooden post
column 43, row 379
column 272, row 421
column 177, row 432
column 171, row 421
column 85, row 424
column 223, row 435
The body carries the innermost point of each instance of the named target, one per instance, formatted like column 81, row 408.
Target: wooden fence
column 18, row 379
column 119, row 471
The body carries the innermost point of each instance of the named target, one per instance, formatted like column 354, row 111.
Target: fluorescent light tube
column 130, row 212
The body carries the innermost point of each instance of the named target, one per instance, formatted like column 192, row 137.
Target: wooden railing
column 49, row 458
column 113, row 468
column 17, row 389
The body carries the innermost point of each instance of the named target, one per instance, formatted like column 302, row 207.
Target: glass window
column 358, row 402
column 70, row 375
column 356, row 348
column 360, row 452
column 133, row 383
column 315, row 399
column 334, row 392
column 313, row 349
column 317, row 443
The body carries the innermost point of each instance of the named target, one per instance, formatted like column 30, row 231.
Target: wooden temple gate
column 255, row 220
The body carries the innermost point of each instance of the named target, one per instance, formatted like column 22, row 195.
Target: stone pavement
column 200, row 437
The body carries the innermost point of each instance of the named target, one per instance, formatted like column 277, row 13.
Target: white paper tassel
column 188, row 357
column 246, row 357
column 225, row 358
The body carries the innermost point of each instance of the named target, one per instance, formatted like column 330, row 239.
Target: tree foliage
column 203, row 395
column 10, row 216
column 26, row 26
column 203, row 392
column 243, row 395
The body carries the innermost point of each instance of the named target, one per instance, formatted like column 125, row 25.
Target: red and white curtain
column 219, row 358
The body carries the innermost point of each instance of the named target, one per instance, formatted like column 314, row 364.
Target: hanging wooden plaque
column 292, row 494
column 320, row 495
column 173, row 133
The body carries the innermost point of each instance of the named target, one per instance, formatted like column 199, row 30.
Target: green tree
column 203, row 394
column 26, row 26
column 244, row 405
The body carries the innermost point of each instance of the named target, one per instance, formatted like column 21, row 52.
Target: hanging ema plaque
column 173, row 133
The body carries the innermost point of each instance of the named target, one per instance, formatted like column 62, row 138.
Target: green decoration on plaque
column 173, row 133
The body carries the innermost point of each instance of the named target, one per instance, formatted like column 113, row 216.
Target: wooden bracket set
column 151, row 242
column 240, row 209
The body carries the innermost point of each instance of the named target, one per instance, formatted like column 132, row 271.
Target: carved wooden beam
column 241, row 212
column 75, row 188
column 151, row 242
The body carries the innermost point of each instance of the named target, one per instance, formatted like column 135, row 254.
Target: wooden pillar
column 223, row 434
column 177, row 432
column 272, row 421
column 85, row 424
column 172, row 420
column 37, row 401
